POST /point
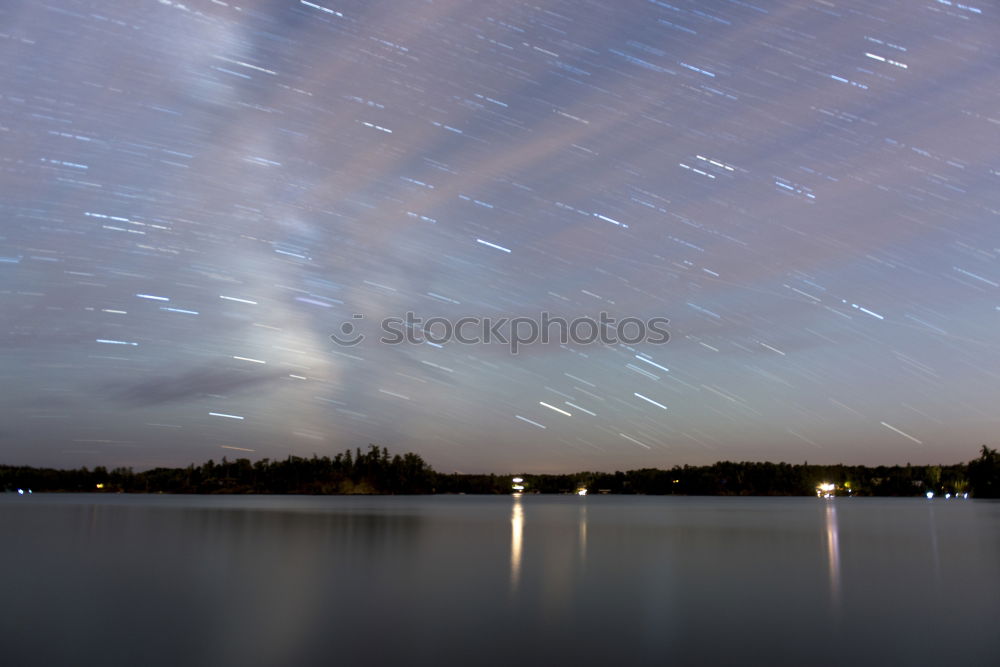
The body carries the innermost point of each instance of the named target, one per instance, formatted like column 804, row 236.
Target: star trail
column 195, row 196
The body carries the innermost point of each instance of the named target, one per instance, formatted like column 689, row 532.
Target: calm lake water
column 466, row 580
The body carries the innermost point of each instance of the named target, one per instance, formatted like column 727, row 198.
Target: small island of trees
column 376, row 472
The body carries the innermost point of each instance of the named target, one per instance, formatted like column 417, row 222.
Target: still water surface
column 466, row 580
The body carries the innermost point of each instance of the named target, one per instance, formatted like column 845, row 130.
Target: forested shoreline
column 376, row 472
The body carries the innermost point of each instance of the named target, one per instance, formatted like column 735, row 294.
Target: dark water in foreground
column 174, row 580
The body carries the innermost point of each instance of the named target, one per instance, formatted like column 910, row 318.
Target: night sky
column 194, row 196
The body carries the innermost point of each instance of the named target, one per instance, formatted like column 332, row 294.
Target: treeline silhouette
column 376, row 472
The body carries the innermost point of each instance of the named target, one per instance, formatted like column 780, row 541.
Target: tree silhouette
column 984, row 474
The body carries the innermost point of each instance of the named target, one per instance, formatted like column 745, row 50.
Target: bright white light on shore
column 930, row 494
column 581, row 492
column 517, row 480
column 825, row 490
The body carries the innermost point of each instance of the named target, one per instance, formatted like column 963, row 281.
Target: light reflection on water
column 491, row 580
column 516, row 536
column 935, row 551
column 833, row 553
